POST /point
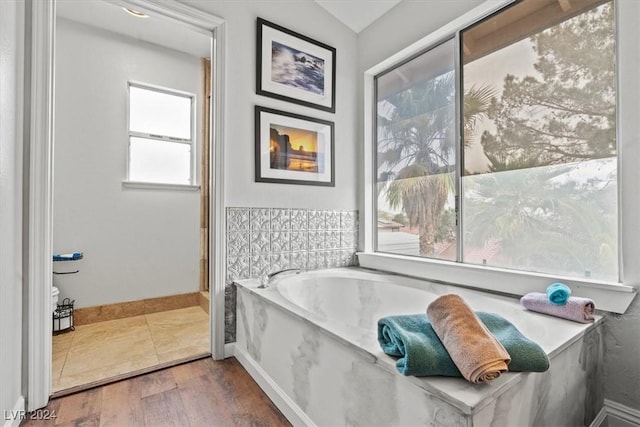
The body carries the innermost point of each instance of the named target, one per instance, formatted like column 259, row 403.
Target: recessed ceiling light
column 135, row 13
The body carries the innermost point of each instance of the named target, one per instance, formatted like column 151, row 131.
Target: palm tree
column 422, row 196
column 478, row 100
column 417, row 151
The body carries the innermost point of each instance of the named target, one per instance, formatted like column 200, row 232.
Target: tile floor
column 103, row 350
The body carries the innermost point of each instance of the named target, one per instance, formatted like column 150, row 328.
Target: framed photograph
column 295, row 68
column 293, row 149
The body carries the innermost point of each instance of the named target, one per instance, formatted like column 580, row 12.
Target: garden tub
column 310, row 341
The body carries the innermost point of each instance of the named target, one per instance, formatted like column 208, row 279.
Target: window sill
column 608, row 296
column 159, row 186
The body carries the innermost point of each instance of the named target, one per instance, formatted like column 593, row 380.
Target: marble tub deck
column 574, row 349
column 103, row 350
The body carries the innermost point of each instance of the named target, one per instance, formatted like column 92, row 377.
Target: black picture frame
column 295, row 68
column 293, row 149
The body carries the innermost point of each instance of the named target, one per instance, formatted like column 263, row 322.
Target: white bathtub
column 310, row 341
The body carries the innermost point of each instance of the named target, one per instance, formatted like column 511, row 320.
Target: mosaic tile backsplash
column 263, row 240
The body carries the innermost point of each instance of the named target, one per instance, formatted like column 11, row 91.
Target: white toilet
column 54, row 298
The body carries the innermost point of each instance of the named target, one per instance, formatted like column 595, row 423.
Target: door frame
column 38, row 185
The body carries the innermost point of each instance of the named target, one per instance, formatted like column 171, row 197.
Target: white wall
column 406, row 23
column 111, row 272
column 308, row 18
column 137, row 243
column 11, row 47
column 410, row 21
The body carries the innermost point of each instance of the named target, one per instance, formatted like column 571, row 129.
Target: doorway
column 41, row 245
column 128, row 164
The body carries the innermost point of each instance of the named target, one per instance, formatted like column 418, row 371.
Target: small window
column 161, row 136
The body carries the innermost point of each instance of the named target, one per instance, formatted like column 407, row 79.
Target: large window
column 498, row 146
column 161, row 136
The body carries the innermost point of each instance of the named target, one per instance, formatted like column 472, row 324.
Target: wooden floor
column 200, row 393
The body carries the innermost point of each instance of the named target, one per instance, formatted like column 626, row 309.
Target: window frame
column 457, row 129
column 608, row 295
column 192, row 142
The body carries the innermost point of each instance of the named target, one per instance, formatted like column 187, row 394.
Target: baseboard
column 616, row 410
column 203, row 300
column 599, row 419
column 229, row 350
column 13, row 417
column 288, row 407
column 122, row 310
column 623, row 412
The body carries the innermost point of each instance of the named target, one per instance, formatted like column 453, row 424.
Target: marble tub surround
column 314, row 335
column 261, row 240
column 229, row 313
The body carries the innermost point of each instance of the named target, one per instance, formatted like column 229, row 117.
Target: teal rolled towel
column 421, row 353
column 558, row 293
column 413, row 340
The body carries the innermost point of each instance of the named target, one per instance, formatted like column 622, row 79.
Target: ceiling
column 357, row 14
column 156, row 30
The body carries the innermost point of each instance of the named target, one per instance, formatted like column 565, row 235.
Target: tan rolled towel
column 475, row 351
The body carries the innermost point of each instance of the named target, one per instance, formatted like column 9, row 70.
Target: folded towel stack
column 576, row 308
column 420, row 352
column 475, row 351
column 558, row 293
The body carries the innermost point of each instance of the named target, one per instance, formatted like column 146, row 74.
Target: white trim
column 285, row 404
column 622, row 412
column 609, row 296
column 39, row 176
column 617, row 410
column 217, row 241
column 174, row 10
column 367, row 216
column 159, row 186
column 17, row 414
column 599, row 419
column 628, row 129
column 39, row 179
column 612, row 297
column 162, row 89
column 229, row 350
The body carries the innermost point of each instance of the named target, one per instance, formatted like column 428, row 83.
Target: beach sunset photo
column 295, row 149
